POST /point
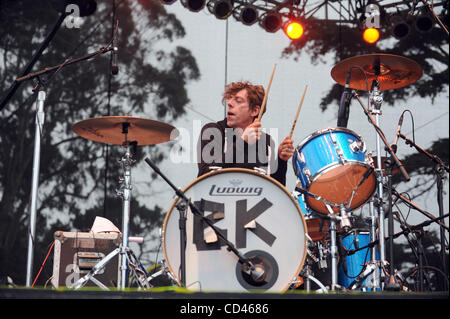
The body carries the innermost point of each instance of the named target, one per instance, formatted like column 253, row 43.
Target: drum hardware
column 333, row 250
column 308, row 275
column 439, row 169
column 182, row 208
column 164, row 271
column 128, row 132
column 384, row 72
column 394, row 159
column 246, row 263
column 260, row 170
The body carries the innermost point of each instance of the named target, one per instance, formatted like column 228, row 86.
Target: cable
column 42, row 266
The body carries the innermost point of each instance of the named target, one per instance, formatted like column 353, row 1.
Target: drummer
column 238, row 140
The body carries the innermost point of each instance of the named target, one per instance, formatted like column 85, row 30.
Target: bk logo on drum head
column 253, row 212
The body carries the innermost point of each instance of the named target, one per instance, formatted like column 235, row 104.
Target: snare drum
column 255, row 213
column 331, row 163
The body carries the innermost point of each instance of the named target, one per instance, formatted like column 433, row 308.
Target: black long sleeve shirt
column 219, row 146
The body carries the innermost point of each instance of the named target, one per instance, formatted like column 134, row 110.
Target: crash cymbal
column 391, row 71
column 118, row 130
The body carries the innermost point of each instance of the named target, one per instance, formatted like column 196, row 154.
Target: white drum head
column 255, row 213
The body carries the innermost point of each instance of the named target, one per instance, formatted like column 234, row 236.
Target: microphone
column 397, row 134
column 115, row 65
column 258, row 273
column 344, row 103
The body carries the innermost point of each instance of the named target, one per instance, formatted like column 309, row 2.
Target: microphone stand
column 394, row 158
column 34, row 59
column 40, row 116
column 439, row 170
column 230, row 247
column 39, row 120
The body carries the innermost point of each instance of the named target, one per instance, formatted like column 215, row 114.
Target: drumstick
column 298, row 112
column 263, row 106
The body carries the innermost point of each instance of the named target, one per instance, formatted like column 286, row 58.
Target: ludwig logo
column 235, row 190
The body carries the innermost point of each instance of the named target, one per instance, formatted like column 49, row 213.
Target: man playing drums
column 238, row 140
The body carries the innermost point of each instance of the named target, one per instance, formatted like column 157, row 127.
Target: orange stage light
column 371, row 35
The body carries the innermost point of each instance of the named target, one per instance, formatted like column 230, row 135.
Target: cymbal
column 391, row 71
column 118, row 130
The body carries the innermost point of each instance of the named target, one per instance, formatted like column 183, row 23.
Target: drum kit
column 240, row 230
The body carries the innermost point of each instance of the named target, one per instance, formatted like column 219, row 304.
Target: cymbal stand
column 127, row 258
column 375, row 281
column 125, row 193
column 333, row 248
column 393, row 159
column 376, row 101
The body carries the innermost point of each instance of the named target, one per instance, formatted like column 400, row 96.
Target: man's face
column 239, row 114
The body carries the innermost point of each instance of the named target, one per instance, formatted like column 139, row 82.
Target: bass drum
column 252, row 211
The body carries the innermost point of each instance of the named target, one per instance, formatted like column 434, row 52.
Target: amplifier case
column 76, row 253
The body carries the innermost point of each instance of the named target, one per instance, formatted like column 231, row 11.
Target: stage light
column 424, row 23
column 400, row 28
column 293, row 29
column 371, row 35
column 247, row 14
column 220, row 8
column 271, row 21
column 193, row 5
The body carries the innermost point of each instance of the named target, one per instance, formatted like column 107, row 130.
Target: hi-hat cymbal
column 391, row 71
column 118, row 130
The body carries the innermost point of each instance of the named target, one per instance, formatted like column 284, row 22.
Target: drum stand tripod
column 127, row 258
column 376, row 100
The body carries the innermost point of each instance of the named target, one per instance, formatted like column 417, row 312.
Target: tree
column 77, row 180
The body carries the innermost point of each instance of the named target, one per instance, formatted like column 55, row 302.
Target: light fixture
column 293, row 29
column 424, row 23
column 270, row 21
column 220, row 8
column 371, row 35
column 193, row 5
column 247, row 14
column 399, row 27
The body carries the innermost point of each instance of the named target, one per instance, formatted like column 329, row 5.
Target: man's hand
column 286, row 149
column 252, row 133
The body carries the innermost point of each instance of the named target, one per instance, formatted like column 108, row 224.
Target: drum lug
column 260, row 170
column 301, row 158
column 357, row 146
column 307, row 174
column 338, row 149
